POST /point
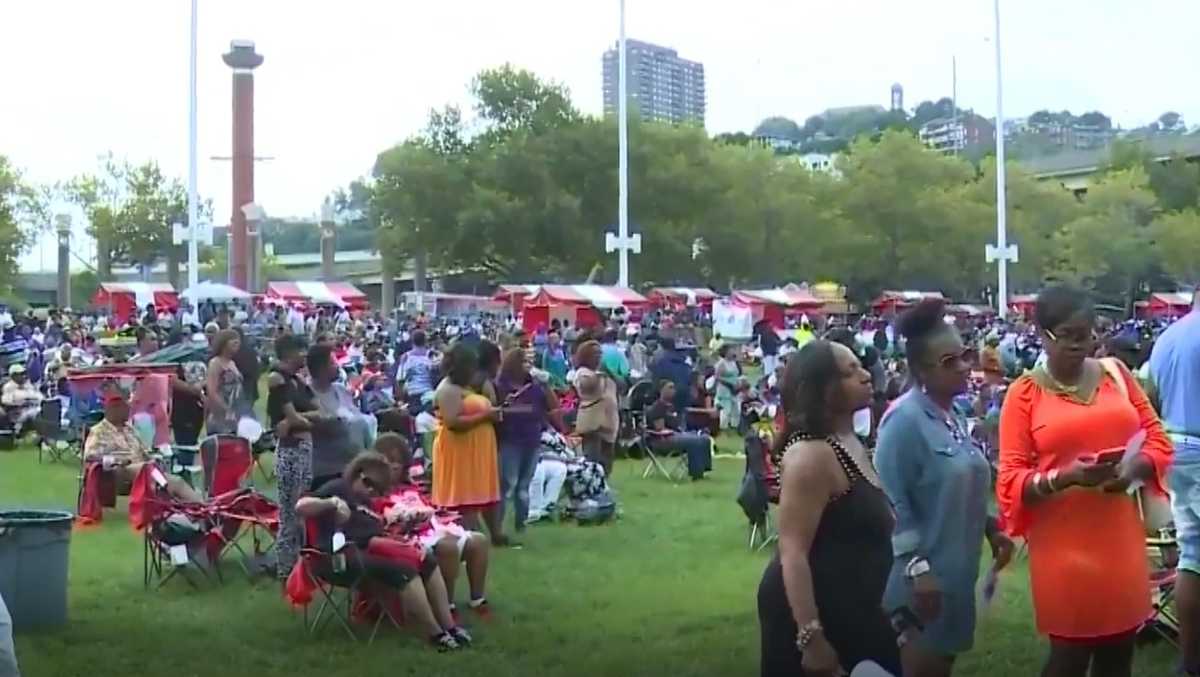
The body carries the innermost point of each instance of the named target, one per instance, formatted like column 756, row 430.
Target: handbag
column 1154, row 508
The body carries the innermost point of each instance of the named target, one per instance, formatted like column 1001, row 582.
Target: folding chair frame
column 1163, row 620
column 156, row 556
column 337, row 600
column 674, row 474
column 245, row 525
column 764, row 533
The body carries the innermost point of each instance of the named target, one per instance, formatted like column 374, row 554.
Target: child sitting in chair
column 408, row 507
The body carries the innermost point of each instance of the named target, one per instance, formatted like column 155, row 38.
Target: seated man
column 442, row 538
column 114, row 443
column 663, row 425
column 21, row 399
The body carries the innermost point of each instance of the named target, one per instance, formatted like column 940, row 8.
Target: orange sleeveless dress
column 466, row 472
column 1087, row 549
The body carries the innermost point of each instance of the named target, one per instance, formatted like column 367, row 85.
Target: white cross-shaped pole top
column 613, row 242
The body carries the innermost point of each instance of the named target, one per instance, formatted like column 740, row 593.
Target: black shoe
column 461, row 636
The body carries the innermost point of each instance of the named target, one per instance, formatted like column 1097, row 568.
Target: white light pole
column 193, row 199
column 1002, row 252
column 622, row 243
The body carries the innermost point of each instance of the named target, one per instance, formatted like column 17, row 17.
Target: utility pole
column 1002, row 252
column 622, row 243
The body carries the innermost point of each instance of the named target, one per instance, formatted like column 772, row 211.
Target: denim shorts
column 1183, row 481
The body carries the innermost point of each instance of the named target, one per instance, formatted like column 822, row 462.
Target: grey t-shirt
column 334, row 443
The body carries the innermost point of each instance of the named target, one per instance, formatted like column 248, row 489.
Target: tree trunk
column 387, row 293
column 103, row 260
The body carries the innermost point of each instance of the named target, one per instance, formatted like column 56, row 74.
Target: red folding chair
column 237, row 511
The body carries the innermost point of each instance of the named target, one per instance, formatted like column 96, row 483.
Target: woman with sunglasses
column 1064, row 475
column 938, row 481
column 343, row 506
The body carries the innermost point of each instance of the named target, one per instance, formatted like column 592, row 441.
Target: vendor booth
column 126, row 299
column 776, row 305
column 891, row 302
column 673, row 298
column 213, row 291
column 340, row 294
column 579, row 304
column 439, row 304
column 1165, row 304
column 1023, row 305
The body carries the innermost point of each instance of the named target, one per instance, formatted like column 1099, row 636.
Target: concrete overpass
column 1074, row 169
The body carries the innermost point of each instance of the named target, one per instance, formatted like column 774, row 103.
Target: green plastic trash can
column 34, row 553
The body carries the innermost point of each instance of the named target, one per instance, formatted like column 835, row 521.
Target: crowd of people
column 425, row 442
column 1077, row 426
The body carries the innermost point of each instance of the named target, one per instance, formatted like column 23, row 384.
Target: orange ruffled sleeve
column 1018, row 458
column 1157, row 447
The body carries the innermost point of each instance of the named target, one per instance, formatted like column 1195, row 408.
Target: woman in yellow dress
column 466, row 475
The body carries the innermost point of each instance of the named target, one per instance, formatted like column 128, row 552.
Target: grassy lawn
column 667, row 590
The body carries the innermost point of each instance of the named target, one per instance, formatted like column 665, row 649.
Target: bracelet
column 1050, row 477
column 1037, row 484
column 807, row 632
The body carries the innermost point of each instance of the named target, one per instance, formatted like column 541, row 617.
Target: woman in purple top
column 526, row 406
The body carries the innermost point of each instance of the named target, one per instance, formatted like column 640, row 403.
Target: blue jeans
column 517, row 464
column 697, row 447
column 1183, row 482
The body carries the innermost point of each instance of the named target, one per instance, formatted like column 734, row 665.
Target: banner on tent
column 733, row 321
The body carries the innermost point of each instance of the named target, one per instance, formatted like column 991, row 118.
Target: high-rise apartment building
column 660, row 85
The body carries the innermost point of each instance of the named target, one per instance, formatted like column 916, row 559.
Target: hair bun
column 922, row 318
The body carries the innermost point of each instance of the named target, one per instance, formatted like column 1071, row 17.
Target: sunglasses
column 373, row 487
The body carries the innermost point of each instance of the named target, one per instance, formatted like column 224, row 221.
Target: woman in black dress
column 820, row 599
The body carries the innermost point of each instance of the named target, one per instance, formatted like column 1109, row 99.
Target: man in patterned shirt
column 114, row 442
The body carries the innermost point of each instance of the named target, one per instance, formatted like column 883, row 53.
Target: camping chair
column 633, row 414
column 1163, row 551
column 756, row 495
column 338, row 589
column 670, row 463
column 55, row 441
column 172, row 536
column 227, row 461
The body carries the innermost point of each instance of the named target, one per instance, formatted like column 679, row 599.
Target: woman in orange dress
column 1063, row 486
column 466, row 474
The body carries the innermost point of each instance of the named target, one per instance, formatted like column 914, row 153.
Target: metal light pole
column 193, row 198
column 1002, row 252
column 622, row 243
column 622, row 158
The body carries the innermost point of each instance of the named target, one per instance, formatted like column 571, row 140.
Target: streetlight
column 193, row 199
column 621, row 242
column 1002, row 252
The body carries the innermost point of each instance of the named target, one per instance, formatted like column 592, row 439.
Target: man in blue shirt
column 1175, row 373
column 672, row 366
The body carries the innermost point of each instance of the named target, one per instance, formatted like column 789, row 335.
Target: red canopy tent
column 679, row 297
column 1024, row 304
column 774, row 305
column 579, row 304
column 891, row 301
column 514, row 295
column 341, row 294
column 124, row 299
column 1166, row 304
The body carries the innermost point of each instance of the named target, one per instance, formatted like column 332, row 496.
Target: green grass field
column 669, row 589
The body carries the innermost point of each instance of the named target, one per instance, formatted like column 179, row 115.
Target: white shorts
column 429, row 541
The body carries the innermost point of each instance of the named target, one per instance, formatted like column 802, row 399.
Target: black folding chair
column 338, row 584
column 755, row 496
column 55, row 441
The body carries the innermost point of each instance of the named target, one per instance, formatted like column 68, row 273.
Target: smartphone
column 1109, row 456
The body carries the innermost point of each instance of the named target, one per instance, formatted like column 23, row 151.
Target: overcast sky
column 344, row 80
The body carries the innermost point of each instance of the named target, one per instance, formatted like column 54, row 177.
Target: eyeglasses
column 1076, row 337
column 373, row 488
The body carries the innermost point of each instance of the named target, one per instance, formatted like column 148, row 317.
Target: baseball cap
column 15, row 369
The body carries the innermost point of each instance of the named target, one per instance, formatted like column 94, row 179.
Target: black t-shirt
column 294, row 390
column 362, row 526
column 662, row 411
column 768, row 339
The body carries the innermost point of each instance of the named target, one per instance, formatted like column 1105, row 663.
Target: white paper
column 179, row 555
column 1132, row 448
column 339, row 541
column 107, row 461
column 158, row 477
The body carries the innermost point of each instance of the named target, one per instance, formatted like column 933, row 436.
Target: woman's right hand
column 1086, row 472
column 820, row 660
column 342, row 509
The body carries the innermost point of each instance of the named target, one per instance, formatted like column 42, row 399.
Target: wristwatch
column 916, row 568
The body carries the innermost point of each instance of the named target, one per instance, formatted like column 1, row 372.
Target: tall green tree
column 1177, row 240
column 22, row 212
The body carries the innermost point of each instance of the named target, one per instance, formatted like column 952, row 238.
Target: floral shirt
column 122, row 443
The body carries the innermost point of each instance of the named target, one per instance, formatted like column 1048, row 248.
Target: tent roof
column 337, row 293
column 700, row 294
column 791, row 296
column 590, row 294
column 215, row 291
column 1174, row 298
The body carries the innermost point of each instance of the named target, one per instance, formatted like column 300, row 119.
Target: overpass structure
column 1075, row 169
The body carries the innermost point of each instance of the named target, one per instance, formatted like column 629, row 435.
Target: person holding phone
column 1063, row 485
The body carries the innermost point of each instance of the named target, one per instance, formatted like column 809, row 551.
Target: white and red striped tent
column 1166, row 304
column 682, row 296
column 341, row 294
column 577, row 303
column 773, row 305
column 125, row 299
column 891, row 301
